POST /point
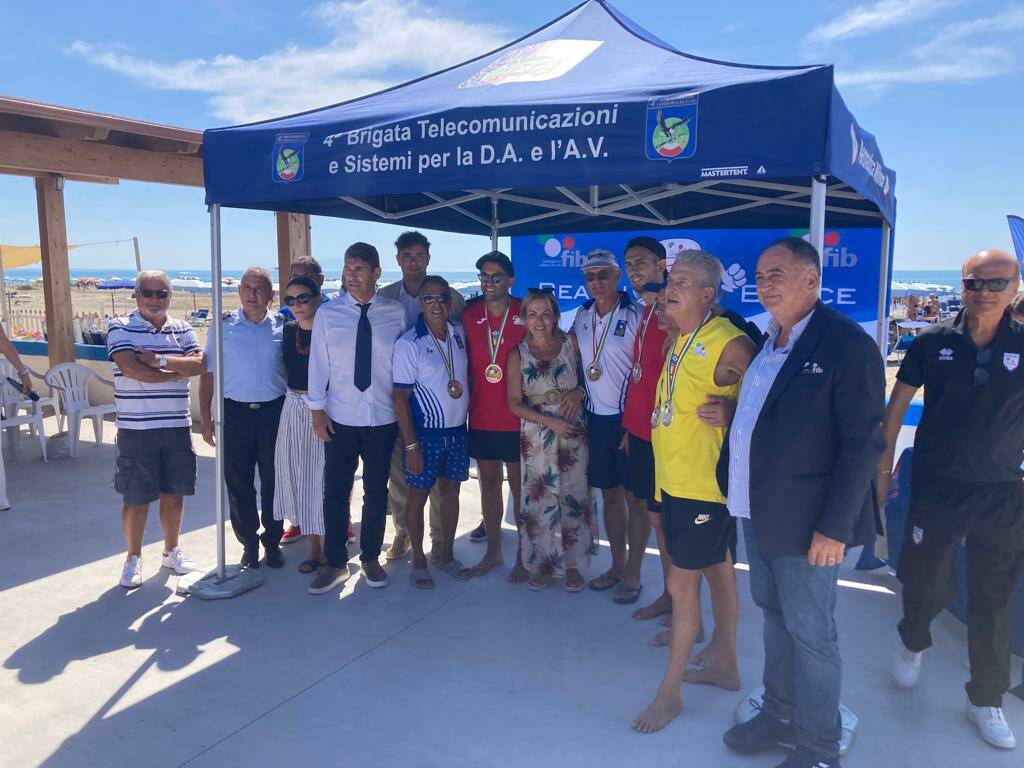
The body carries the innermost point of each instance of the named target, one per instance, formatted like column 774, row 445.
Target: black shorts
column 608, row 465
column 154, row 461
column 698, row 534
column 640, row 469
column 494, row 445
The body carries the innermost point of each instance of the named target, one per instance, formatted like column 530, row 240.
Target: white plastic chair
column 13, row 400
column 71, row 381
column 49, row 400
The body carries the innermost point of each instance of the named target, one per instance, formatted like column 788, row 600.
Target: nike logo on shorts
column 701, row 519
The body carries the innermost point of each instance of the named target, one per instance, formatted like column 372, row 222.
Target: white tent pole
column 882, row 332
column 216, row 329
column 817, row 227
column 494, row 223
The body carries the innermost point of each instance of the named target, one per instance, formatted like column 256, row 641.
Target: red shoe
column 293, row 534
column 351, row 534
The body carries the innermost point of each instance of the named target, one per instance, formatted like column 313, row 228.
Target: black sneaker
column 479, row 533
column 759, row 733
column 250, row 558
column 275, row 558
column 805, row 758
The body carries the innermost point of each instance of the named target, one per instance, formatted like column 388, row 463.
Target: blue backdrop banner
column 850, row 278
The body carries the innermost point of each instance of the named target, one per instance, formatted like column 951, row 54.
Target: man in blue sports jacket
column 797, row 469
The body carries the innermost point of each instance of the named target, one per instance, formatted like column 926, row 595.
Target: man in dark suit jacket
column 798, row 468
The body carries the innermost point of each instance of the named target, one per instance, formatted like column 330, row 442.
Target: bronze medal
column 454, row 389
column 594, row 371
column 493, row 373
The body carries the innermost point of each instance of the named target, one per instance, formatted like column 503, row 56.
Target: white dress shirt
column 332, row 359
column 757, row 383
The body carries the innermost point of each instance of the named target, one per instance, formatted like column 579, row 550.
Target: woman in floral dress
column 557, row 526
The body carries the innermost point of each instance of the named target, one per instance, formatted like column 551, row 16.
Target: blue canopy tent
column 589, row 123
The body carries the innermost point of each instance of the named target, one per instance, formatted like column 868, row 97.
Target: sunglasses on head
column 495, row 278
column 994, row 284
column 434, row 298
column 149, row 293
column 603, row 274
column 302, row 298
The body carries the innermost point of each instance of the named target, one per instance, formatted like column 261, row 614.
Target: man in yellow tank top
column 704, row 365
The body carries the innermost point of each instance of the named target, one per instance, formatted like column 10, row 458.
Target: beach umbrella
column 115, row 284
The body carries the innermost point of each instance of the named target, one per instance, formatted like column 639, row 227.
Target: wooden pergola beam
column 67, row 157
column 53, row 243
column 67, row 177
column 293, row 240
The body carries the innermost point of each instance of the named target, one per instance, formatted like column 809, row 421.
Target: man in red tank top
column 493, row 328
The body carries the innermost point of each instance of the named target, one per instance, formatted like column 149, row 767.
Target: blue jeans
column 802, row 668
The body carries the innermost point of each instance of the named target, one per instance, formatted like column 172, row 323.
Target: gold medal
column 594, row 371
column 454, row 389
column 493, row 373
column 638, row 372
column 666, row 414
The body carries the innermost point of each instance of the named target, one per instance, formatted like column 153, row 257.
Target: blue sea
column 950, row 277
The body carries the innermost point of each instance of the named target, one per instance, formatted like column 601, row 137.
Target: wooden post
column 53, row 241
column 293, row 240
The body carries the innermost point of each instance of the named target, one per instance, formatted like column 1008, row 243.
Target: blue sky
column 937, row 81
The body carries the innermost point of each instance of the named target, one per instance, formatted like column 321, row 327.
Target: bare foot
column 518, row 574
column 706, row 656
column 660, row 713
column 661, row 639
column 487, row 564
column 660, row 606
column 727, row 678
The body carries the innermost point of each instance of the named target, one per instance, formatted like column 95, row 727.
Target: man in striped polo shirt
column 154, row 355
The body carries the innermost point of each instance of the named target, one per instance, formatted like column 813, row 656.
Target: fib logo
column 562, row 248
column 835, row 254
column 671, row 127
column 288, row 162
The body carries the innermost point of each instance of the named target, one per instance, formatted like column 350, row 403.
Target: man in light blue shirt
column 254, row 388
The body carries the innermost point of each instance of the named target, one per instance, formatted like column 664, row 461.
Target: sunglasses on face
column 591, row 277
column 994, row 284
column 302, row 298
column 436, row 298
column 149, row 293
column 496, row 278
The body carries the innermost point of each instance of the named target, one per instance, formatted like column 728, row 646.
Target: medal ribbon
column 493, row 344
column 673, row 363
column 594, row 345
column 448, row 361
column 643, row 332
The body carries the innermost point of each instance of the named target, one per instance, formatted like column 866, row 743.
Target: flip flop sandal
column 536, row 584
column 575, row 584
column 457, row 570
column 627, row 596
column 309, row 566
column 421, row 579
column 604, row 583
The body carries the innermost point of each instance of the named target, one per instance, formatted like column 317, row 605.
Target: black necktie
column 364, row 341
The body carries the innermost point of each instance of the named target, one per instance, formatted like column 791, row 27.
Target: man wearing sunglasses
column 603, row 334
column 254, row 389
column 412, row 252
column 154, row 356
column 494, row 328
column 966, row 482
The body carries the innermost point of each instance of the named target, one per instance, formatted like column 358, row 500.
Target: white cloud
column 968, row 65
column 375, row 43
column 876, row 17
column 1009, row 20
column 962, row 52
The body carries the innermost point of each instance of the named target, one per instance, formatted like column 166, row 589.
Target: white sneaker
column 131, row 575
column 991, row 725
column 178, row 562
column 906, row 667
